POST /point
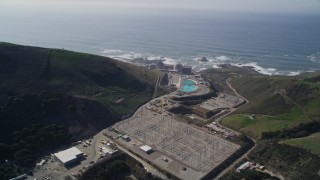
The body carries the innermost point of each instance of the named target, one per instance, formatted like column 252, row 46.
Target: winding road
column 254, row 146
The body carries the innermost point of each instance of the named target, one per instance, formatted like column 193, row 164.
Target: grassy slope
column 311, row 143
column 263, row 123
column 102, row 79
column 80, row 78
column 78, row 71
column 131, row 99
column 263, row 93
column 52, row 86
column 218, row 76
column 278, row 102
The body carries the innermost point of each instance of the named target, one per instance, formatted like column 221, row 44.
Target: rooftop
column 145, row 148
column 244, row 166
column 68, row 154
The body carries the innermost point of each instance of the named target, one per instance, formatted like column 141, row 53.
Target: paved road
column 234, row 90
column 219, row 120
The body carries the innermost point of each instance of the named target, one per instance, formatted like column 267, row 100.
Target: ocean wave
column 213, row 61
column 121, row 55
column 269, row 71
column 216, row 66
column 256, row 67
column 129, row 56
column 111, row 51
column 125, row 57
column 314, row 57
column 294, row 73
column 223, row 58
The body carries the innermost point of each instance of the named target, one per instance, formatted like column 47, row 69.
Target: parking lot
column 94, row 149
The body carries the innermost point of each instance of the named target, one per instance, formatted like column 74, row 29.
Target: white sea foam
column 269, row 71
column 223, row 58
column 213, row 61
column 314, row 57
column 121, row 55
column 294, row 73
column 170, row 60
column 126, row 56
column 111, row 51
column 216, row 66
column 152, row 57
column 256, row 67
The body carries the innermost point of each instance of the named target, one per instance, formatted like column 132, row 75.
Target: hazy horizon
column 277, row 37
column 127, row 6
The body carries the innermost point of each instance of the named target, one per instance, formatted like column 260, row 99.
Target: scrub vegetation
column 310, row 143
column 59, row 96
column 120, row 167
column 299, row 105
column 282, row 116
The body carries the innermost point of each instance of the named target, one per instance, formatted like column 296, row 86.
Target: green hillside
column 311, row 143
column 78, row 77
column 281, row 111
column 218, row 76
column 276, row 102
column 67, row 94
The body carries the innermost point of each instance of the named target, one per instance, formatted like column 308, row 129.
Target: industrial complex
column 186, row 145
column 174, row 68
column 161, row 134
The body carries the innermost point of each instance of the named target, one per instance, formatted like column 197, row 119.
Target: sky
column 251, row 6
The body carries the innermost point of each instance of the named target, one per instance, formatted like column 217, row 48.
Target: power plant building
column 68, row 156
column 175, row 68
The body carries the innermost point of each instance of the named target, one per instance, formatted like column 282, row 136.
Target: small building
column 244, row 166
column 186, row 70
column 39, row 164
column 126, row 138
column 165, row 159
column 108, row 150
column 174, row 68
column 178, row 67
column 68, row 156
column 147, row 149
column 111, row 145
column 160, row 65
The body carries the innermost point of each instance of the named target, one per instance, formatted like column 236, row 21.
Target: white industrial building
column 39, row 164
column 68, row 156
column 147, row 149
column 244, row 166
column 126, row 138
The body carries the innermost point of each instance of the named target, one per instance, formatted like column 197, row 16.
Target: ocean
column 272, row 44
